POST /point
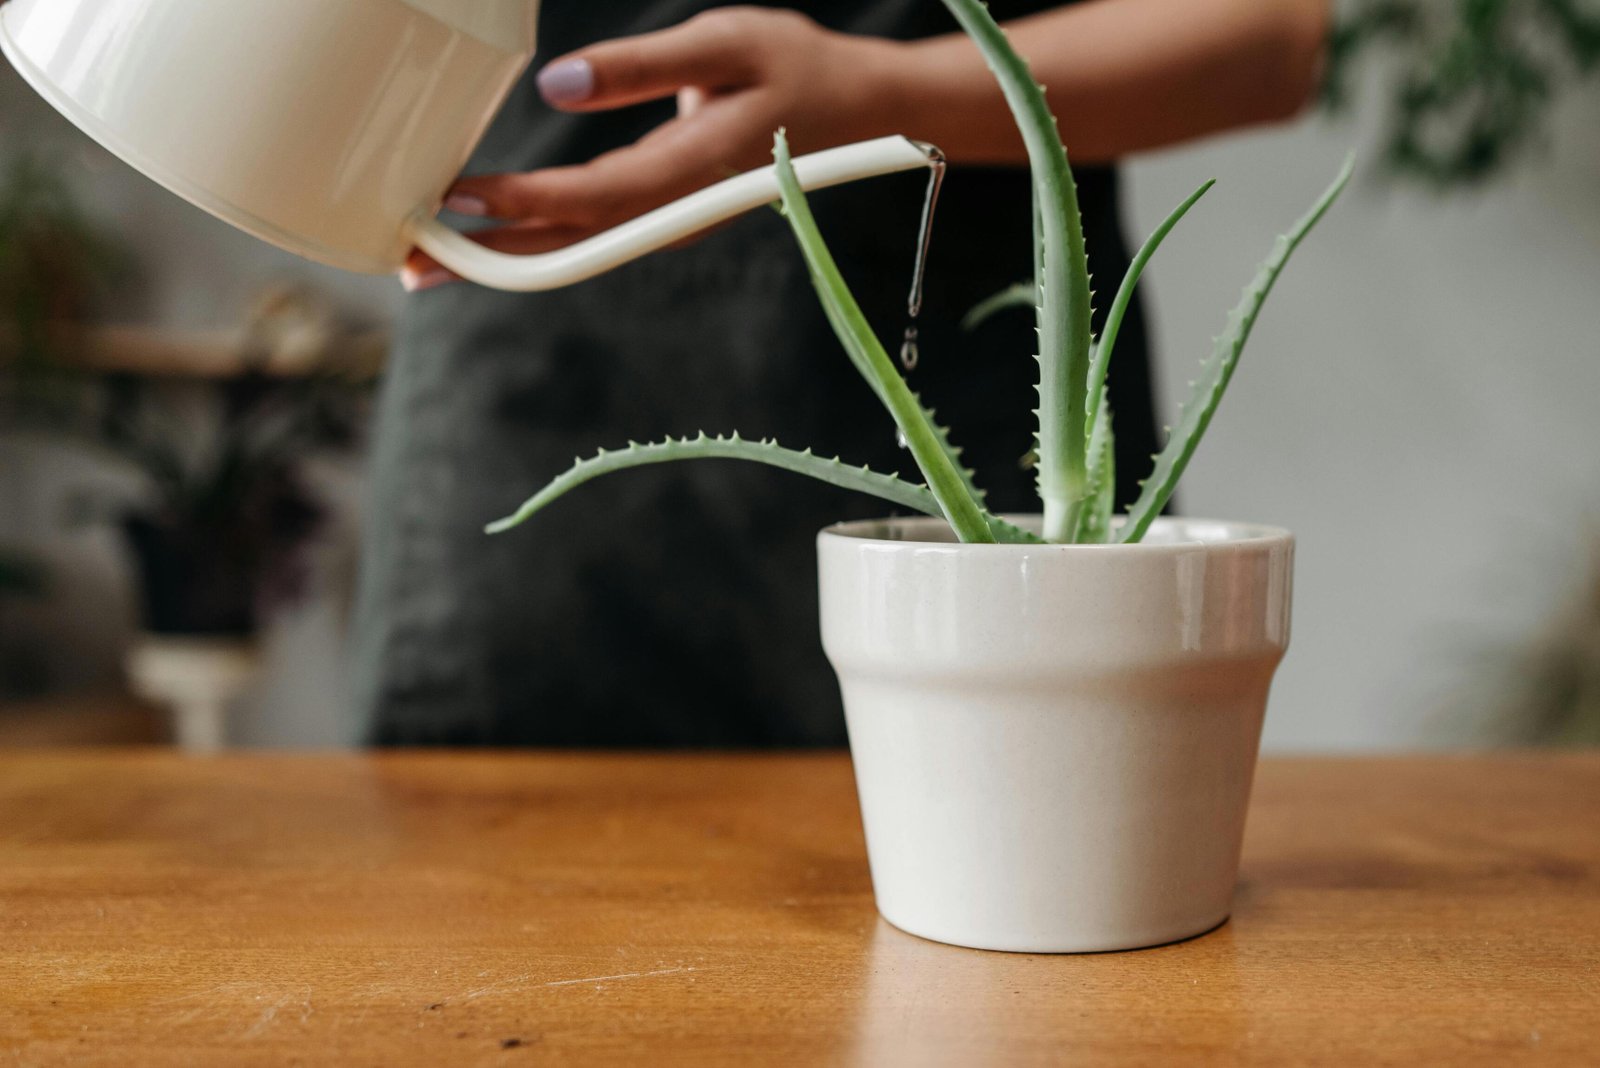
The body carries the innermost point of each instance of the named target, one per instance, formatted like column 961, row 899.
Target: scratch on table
column 268, row 1014
column 625, row 975
column 517, row 980
column 209, row 993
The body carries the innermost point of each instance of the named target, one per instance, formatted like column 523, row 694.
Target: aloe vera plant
column 1074, row 454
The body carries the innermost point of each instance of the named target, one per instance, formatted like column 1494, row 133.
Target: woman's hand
column 738, row 74
column 1122, row 75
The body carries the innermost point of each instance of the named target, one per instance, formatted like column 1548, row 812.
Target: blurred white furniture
column 199, row 679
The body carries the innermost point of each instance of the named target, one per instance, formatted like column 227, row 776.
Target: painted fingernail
column 416, row 281
column 569, row 81
column 466, row 204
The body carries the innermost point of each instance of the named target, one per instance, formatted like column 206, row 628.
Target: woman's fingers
column 714, row 51
column 421, row 272
column 724, row 136
column 718, row 65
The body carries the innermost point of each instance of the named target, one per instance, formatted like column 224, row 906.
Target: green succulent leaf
column 1216, row 371
column 1075, row 447
column 863, row 364
column 1063, row 277
column 1021, row 295
column 1009, row 534
column 950, row 484
column 1101, row 365
column 952, row 452
column 732, row 447
column 861, row 359
column 1094, row 521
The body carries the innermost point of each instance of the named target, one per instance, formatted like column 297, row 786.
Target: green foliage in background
column 1545, row 688
column 20, row 574
column 1470, row 82
column 53, row 261
column 225, row 486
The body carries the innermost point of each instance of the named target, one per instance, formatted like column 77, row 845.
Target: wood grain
column 436, row 909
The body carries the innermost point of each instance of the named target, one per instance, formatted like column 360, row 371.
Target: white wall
column 1418, row 403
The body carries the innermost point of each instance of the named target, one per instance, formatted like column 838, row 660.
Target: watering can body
column 332, row 128
column 319, row 125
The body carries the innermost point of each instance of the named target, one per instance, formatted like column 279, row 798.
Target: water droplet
column 936, row 168
column 908, row 349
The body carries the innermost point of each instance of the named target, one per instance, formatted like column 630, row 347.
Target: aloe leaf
column 1008, row 534
column 1094, row 521
column 941, row 433
column 1023, row 294
column 953, row 452
column 1063, row 277
column 929, row 447
column 1119, row 307
column 1105, row 499
column 862, row 362
column 732, row 447
column 1218, row 369
column 858, row 349
column 861, row 359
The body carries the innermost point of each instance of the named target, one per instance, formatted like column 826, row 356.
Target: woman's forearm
column 1121, row 75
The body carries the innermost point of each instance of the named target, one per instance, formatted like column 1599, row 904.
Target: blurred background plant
column 1468, row 83
column 55, row 264
column 220, row 513
column 221, row 534
column 1545, row 690
column 22, row 577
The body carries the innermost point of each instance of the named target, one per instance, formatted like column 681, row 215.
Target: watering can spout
column 665, row 225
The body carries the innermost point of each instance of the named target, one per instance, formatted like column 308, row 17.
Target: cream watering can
column 332, row 128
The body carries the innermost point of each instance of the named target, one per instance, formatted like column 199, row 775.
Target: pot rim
column 1203, row 532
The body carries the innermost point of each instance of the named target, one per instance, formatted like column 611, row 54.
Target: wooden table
column 529, row 909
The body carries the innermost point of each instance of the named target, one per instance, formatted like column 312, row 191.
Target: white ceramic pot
column 1054, row 744
column 332, row 128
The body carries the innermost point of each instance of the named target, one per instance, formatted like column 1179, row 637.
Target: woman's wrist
column 936, row 90
column 877, row 89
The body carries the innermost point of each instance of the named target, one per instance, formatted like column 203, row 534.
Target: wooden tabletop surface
column 449, row 909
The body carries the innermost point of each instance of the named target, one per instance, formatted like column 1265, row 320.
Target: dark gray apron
column 677, row 605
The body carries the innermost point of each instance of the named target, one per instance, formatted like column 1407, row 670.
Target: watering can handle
column 666, row 224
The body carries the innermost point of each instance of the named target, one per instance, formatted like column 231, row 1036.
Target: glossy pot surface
column 1054, row 744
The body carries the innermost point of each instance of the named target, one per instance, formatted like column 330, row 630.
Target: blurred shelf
column 217, row 353
column 112, row 718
